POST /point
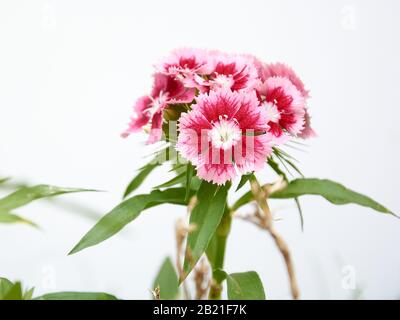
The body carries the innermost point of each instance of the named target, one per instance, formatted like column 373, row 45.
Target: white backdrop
column 69, row 73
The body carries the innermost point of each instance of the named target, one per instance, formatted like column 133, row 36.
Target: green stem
column 216, row 252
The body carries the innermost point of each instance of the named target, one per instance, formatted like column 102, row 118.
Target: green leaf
column 2, row 180
column 189, row 175
column 26, row 195
column 241, row 286
column 243, row 180
column 206, row 216
column 139, row 178
column 245, row 286
column 160, row 158
column 167, row 281
column 275, row 166
column 125, row 213
column 12, row 218
column 330, row 190
column 5, row 286
column 14, row 293
column 77, row 296
column 28, row 294
column 243, row 200
column 300, row 210
column 179, row 179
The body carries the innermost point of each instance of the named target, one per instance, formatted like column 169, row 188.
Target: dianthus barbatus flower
column 284, row 71
column 235, row 72
column 224, row 135
column 149, row 109
column 284, row 104
column 185, row 64
column 281, row 70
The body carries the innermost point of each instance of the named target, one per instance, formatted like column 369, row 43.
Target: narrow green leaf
column 5, row 286
column 243, row 180
column 206, row 217
column 179, row 179
column 144, row 172
column 12, row 218
column 77, row 296
column 126, row 212
column 26, row 195
column 245, row 286
column 189, row 175
column 275, row 166
column 14, row 293
column 2, row 180
column 243, row 200
column 28, row 294
column 330, row 190
column 139, row 178
column 300, row 210
column 167, row 281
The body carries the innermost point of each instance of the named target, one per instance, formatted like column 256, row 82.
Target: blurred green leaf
column 126, row 212
column 2, row 180
column 167, row 281
column 77, row 296
column 5, row 286
column 206, row 216
column 26, row 195
column 14, row 293
column 242, row 285
column 245, row 286
column 12, row 218
column 11, row 291
column 28, row 294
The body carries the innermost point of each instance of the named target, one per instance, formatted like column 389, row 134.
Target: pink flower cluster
column 237, row 109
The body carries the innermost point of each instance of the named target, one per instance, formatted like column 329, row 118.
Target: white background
column 70, row 72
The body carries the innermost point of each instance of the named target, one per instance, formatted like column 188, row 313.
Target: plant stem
column 216, row 252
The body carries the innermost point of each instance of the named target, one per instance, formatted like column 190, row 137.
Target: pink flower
column 282, row 70
column 149, row 109
column 185, row 64
column 224, row 135
column 307, row 132
column 235, row 72
column 285, row 105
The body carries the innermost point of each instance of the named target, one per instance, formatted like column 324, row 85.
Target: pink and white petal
column 216, row 173
column 254, row 153
column 249, row 115
column 140, row 117
column 218, row 103
column 308, row 131
column 186, row 96
column 193, row 132
column 282, row 70
column 156, row 128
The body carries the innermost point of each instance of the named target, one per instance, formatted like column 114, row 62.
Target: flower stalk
column 216, row 253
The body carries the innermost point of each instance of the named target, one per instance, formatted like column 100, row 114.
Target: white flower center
column 225, row 133
column 272, row 111
column 157, row 104
column 223, row 81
